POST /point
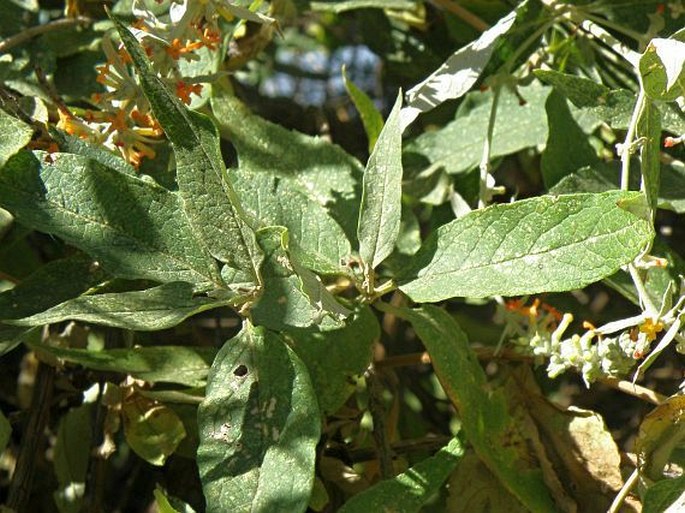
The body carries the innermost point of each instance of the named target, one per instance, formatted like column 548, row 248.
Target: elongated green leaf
column 71, row 457
column 381, row 206
column 649, row 128
column 13, row 336
column 582, row 92
column 462, row 69
column 458, row 146
column 485, row 419
column 259, row 426
column 665, row 496
column 662, row 69
column 290, row 179
column 72, row 144
column 50, row 285
column 409, row 491
column 349, row 5
column 292, row 295
column 567, row 147
column 208, row 197
column 605, row 177
column 335, row 356
column 134, row 228
column 536, row 245
column 168, row 364
column 371, row 118
column 153, row 309
column 14, row 135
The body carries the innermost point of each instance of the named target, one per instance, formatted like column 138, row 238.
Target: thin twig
column 31, row 32
column 626, row 149
column 484, row 192
column 487, row 353
column 32, row 439
column 635, row 390
column 463, row 13
column 623, row 493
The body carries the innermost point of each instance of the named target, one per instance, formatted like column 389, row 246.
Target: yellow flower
column 651, row 328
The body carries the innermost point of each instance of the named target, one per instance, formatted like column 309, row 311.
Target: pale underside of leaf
column 457, row 74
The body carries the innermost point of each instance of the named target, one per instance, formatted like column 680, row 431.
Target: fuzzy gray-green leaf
column 409, row 491
column 381, row 207
column 259, row 426
column 134, row 228
column 153, row 309
column 208, row 197
column 286, row 178
column 14, row 135
column 293, row 296
column 185, row 365
column 537, row 245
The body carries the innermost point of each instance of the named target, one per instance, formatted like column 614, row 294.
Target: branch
column 31, row 32
column 22, row 481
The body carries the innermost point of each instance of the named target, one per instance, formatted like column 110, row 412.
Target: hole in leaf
column 240, row 371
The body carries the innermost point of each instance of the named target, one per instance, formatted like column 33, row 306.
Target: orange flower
column 210, row 39
column 176, row 48
column 183, row 91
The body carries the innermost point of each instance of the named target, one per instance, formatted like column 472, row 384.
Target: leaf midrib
column 140, row 242
column 527, row 255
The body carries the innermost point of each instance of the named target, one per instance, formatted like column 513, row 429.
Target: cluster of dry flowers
column 121, row 119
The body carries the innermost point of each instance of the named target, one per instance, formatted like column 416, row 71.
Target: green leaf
column 167, row 504
column 152, row 429
column 649, row 128
column 291, row 295
column 133, row 227
column 668, row 494
column 409, row 491
column 348, row 5
column 613, row 106
column 5, row 432
column 71, row 458
column 335, row 357
column 662, row 69
column 52, row 284
column 536, row 245
column 152, row 309
column 71, row 144
column 381, row 205
column 371, row 118
column 486, row 422
column 13, row 336
column 567, row 147
column 455, row 77
column 289, row 179
column 259, row 426
column 184, row 365
column 458, row 146
column 605, row 177
column 14, row 135
column 211, row 203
